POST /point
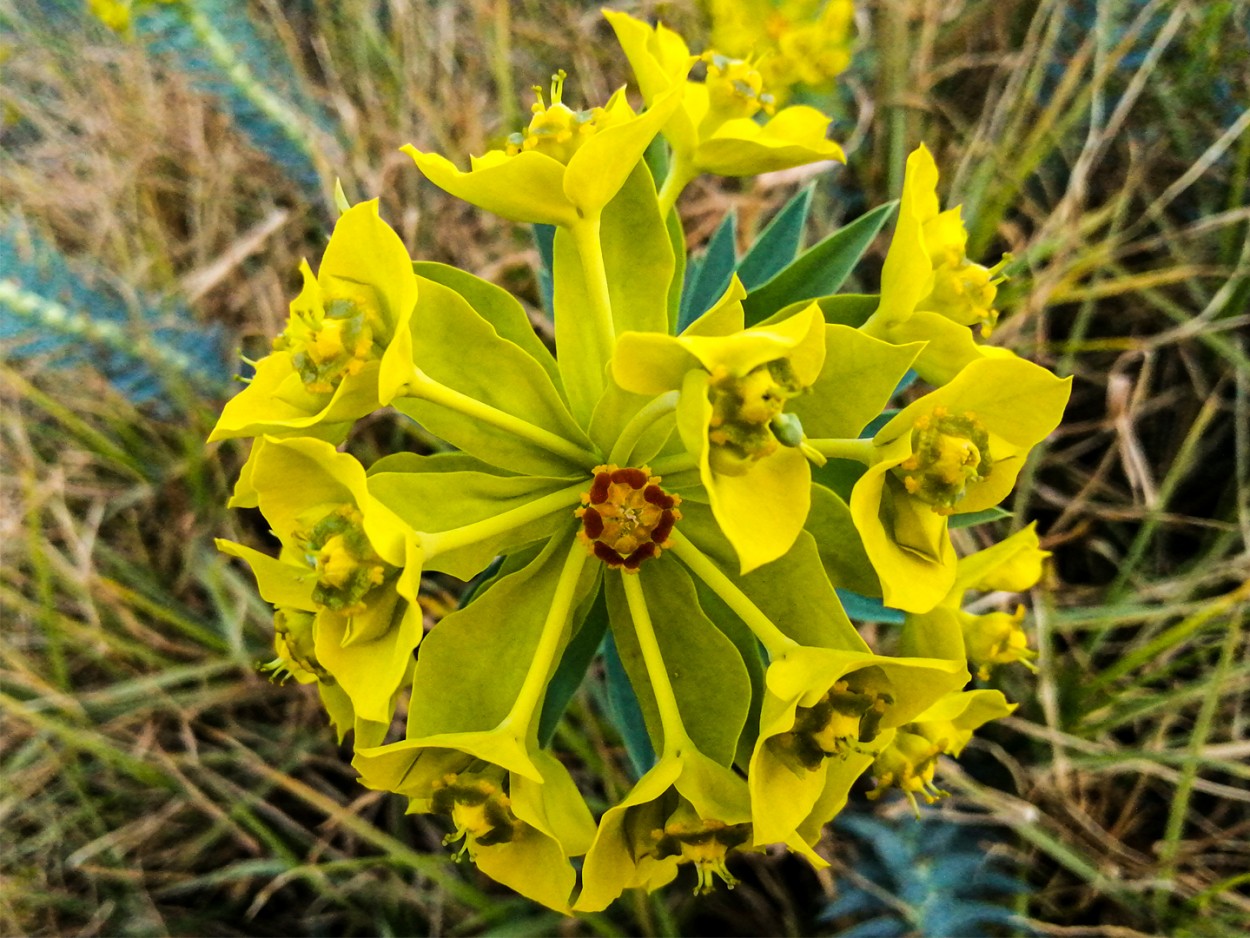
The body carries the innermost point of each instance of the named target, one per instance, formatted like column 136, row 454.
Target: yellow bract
column 514, row 810
column 734, row 383
column 962, row 447
column 564, row 167
column 714, row 130
column 798, row 42
column 347, row 321
column 825, row 715
column 930, row 290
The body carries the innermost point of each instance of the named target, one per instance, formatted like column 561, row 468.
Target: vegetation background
column 158, row 189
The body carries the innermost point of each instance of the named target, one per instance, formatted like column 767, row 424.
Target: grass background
column 157, row 193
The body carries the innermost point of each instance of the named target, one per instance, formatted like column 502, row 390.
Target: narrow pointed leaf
column 777, row 244
column 820, row 270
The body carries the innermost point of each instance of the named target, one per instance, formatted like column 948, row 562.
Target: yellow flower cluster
column 661, row 489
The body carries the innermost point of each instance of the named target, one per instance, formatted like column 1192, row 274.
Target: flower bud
column 996, row 638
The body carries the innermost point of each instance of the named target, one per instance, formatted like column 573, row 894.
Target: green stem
column 426, row 388
column 590, row 252
column 675, row 736
column 521, row 716
column 671, row 465
column 897, row 77
column 1179, row 810
column 776, row 642
column 680, row 174
column 441, row 542
column 639, row 424
column 859, row 450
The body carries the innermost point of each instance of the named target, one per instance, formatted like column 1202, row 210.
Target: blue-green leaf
column 711, row 277
column 676, row 292
column 820, row 270
column 544, row 240
column 624, row 711
column 568, row 676
column 777, row 244
column 970, row 518
column 867, row 609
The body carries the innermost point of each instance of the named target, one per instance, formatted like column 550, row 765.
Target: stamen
column 949, row 453
column 704, row 842
column 479, row 809
column 849, row 714
column 626, row 516
column 346, row 565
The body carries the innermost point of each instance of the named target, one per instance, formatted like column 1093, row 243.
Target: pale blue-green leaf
column 961, row 919
column 544, row 241
column 676, row 291
column 883, row 927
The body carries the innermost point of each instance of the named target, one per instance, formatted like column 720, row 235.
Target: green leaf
column 711, row 277
column 472, row 664
column 820, row 270
column 752, row 654
column 656, row 157
column 848, row 309
column 839, row 475
column 841, row 550
column 638, row 262
column 677, row 242
column 497, row 306
column 575, row 329
column 710, row 681
column 458, row 347
column 794, row 592
column 777, row 244
column 578, row 655
column 431, row 501
column 971, row 518
column 614, row 411
column 859, row 377
column 637, row 255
